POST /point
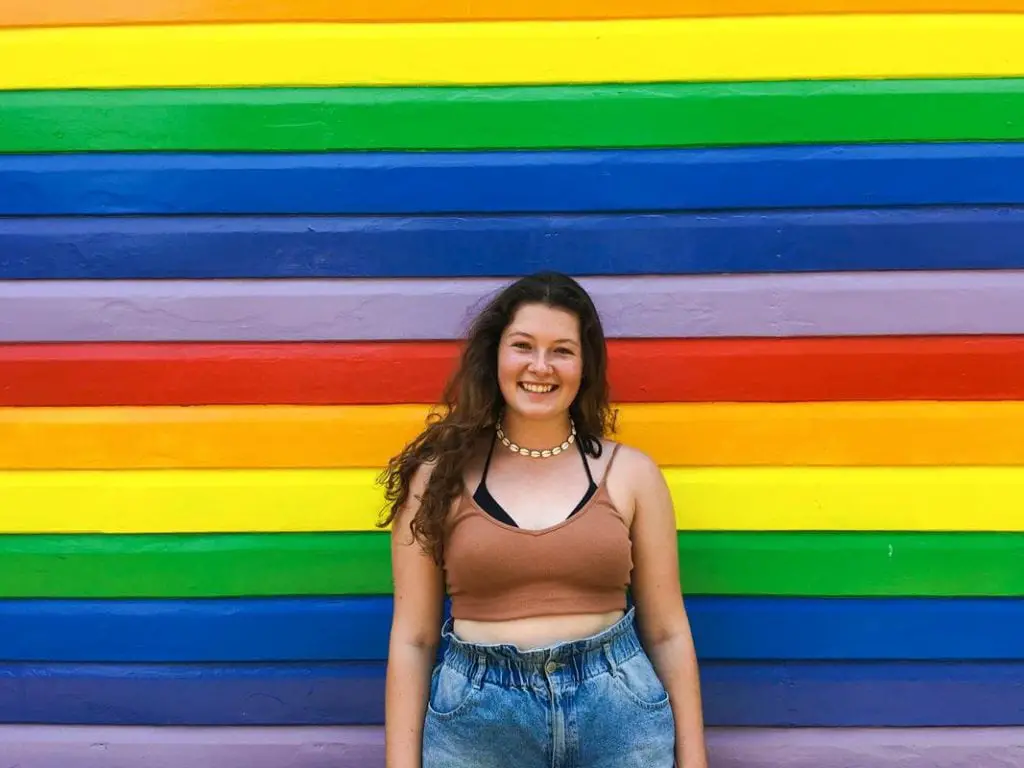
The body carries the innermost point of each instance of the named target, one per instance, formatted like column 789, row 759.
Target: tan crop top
column 498, row 572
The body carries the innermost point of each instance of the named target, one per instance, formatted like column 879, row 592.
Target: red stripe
column 649, row 370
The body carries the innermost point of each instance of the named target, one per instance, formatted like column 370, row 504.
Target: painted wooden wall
column 236, row 251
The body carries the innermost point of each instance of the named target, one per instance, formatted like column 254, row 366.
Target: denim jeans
column 590, row 703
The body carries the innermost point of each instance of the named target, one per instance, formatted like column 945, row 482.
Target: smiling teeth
column 538, row 388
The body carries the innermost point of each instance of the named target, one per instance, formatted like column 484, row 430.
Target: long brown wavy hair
column 472, row 404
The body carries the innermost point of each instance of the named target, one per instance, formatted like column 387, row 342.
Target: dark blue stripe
column 790, row 694
column 484, row 182
column 356, row 629
column 505, row 246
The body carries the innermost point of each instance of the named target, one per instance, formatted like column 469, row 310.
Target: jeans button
column 550, row 667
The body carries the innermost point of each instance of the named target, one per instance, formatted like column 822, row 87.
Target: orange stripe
column 22, row 13
column 673, row 434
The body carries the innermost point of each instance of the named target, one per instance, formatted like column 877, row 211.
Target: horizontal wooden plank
column 115, row 247
column 292, row 500
column 868, row 748
column 510, row 117
column 846, row 564
column 356, row 629
column 361, row 747
column 18, row 13
column 549, row 181
column 673, row 434
column 42, row 746
column 723, row 49
column 640, row 370
column 820, row 304
column 737, row 694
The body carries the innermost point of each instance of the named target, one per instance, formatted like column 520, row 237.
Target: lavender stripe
column 359, row 747
column 872, row 303
column 866, row 748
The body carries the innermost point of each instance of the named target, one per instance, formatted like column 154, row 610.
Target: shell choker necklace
column 534, row 454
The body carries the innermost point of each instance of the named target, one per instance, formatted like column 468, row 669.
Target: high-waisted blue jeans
column 590, row 703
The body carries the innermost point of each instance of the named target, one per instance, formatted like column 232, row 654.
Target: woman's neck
column 536, row 434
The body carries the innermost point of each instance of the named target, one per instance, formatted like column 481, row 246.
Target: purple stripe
column 886, row 748
column 356, row 747
column 874, row 303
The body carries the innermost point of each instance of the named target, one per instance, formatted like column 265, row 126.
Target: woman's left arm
column 661, row 615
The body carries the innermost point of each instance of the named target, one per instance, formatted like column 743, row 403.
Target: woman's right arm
column 415, row 635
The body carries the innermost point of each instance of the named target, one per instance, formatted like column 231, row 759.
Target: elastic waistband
column 508, row 666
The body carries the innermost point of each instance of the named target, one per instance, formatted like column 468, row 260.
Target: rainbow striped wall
column 239, row 240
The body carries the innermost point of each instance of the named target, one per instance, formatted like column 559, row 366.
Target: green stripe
column 687, row 114
column 719, row 563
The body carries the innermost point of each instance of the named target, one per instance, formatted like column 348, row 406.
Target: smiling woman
column 537, row 561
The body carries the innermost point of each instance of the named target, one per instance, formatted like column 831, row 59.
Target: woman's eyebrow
column 557, row 341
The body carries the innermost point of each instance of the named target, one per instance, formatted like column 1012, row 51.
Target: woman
column 516, row 504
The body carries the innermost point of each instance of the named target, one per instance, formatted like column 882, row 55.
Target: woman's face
column 540, row 361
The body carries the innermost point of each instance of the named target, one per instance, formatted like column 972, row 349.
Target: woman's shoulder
column 635, row 481
column 631, row 475
column 627, row 460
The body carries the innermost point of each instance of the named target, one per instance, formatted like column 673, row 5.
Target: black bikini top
column 489, row 504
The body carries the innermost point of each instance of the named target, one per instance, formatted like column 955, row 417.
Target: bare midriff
column 535, row 631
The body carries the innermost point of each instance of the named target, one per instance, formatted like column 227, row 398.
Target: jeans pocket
column 450, row 692
column 638, row 679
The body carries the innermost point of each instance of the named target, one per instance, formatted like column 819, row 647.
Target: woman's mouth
column 537, row 389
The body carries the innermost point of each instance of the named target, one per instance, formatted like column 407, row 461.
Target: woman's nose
column 540, row 363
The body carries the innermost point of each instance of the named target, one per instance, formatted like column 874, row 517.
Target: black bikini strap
column 586, row 464
column 487, row 464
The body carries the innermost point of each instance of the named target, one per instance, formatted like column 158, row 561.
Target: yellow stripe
column 702, row 434
column 718, row 49
column 920, row 499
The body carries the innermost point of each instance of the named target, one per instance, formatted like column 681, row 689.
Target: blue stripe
column 790, row 694
column 483, row 182
column 356, row 629
column 505, row 246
